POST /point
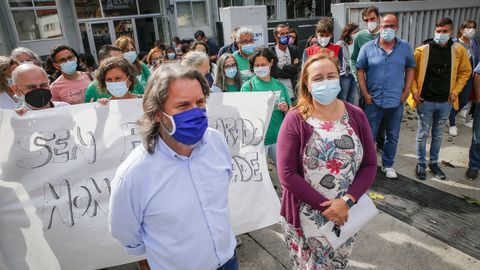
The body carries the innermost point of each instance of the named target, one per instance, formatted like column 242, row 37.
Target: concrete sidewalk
column 386, row 242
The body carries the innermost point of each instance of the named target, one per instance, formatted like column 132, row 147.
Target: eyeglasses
column 393, row 26
column 65, row 59
column 245, row 42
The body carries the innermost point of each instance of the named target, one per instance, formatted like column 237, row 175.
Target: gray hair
column 220, row 76
column 16, row 52
column 156, row 94
column 243, row 31
column 24, row 69
column 194, row 59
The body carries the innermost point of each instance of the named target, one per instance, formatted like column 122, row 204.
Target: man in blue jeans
column 442, row 71
column 385, row 68
column 474, row 156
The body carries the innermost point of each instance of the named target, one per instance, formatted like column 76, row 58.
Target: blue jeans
column 431, row 115
column 474, row 155
column 462, row 101
column 232, row 264
column 393, row 117
column 349, row 89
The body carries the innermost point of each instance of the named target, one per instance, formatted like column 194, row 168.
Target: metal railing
column 416, row 19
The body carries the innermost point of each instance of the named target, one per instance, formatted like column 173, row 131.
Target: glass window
column 200, row 13
column 149, row 6
column 229, row 3
column 49, row 23
column 84, row 34
column 271, row 15
column 119, row 7
column 300, row 9
column 40, row 24
column 20, row 3
column 162, row 25
column 124, row 28
column 145, row 33
column 42, row 3
column 88, row 9
column 184, row 14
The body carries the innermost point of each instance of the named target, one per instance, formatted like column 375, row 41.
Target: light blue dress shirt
column 175, row 208
column 385, row 72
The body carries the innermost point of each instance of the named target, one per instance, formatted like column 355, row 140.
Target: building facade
column 86, row 25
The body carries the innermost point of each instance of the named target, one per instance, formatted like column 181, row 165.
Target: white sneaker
column 453, row 131
column 469, row 124
column 390, row 173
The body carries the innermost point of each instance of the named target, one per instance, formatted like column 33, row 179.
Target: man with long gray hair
column 170, row 196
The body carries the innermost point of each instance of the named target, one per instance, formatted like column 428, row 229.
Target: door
column 99, row 34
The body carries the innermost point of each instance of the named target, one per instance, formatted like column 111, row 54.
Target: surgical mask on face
column 171, row 56
column 130, row 56
column 325, row 92
column 441, row 39
column 231, row 72
column 469, row 32
column 387, row 34
column 188, row 127
column 248, row 48
column 323, row 41
column 9, row 82
column 283, row 40
column 117, row 89
column 372, row 26
column 261, row 72
column 69, row 67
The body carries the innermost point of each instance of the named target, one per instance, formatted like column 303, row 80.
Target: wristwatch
column 348, row 201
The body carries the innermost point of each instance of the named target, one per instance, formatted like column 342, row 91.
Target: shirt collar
column 376, row 41
column 162, row 147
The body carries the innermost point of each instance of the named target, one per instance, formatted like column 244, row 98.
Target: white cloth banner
column 56, row 166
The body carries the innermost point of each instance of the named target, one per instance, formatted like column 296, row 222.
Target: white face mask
column 372, row 26
column 26, row 62
column 262, row 72
column 469, row 32
column 117, row 89
column 323, row 41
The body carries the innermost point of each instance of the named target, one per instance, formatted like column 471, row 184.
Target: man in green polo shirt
column 246, row 47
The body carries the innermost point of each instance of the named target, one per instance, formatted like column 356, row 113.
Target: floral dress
column 331, row 160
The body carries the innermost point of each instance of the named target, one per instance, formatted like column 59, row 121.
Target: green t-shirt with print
column 281, row 92
column 93, row 92
column 243, row 66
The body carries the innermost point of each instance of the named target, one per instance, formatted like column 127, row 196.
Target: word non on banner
column 56, row 168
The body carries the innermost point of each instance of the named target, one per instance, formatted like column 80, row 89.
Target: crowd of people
column 336, row 104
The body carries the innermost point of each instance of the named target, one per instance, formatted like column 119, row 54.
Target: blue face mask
column 188, row 127
column 388, row 34
column 117, row 89
column 231, row 72
column 130, row 56
column 325, row 92
column 248, row 48
column 284, row 40
column 69, row 67
column 441, row 39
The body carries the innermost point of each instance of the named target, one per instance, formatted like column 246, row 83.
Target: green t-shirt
column 280, row 91
column 92, row 91
column 145, row 75
column 243, row 66
column 360, row 39
column 231, row 88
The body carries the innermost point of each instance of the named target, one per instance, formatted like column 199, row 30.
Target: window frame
column 35, row 9
column 194, row 23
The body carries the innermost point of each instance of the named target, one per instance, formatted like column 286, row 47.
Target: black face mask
column 38, row 98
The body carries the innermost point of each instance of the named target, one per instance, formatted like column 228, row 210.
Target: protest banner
column 56, row 166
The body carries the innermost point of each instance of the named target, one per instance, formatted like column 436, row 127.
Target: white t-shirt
column 6, row 102
column 284, row 58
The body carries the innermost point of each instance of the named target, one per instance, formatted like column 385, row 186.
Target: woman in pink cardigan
column 326, row 162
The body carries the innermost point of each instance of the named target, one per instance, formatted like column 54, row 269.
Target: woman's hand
column 337, row 211
column 283, row 106
column 103, row 101
column 21, row 110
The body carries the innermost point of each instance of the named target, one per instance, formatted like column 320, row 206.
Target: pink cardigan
column 293, row 137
